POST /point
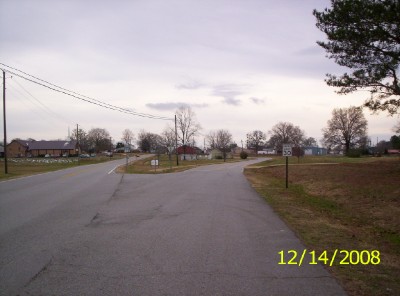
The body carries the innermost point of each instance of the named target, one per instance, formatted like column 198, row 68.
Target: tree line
column 345, row 130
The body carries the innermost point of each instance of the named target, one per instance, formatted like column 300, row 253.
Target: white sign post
column 287, row 151
column 154, row 162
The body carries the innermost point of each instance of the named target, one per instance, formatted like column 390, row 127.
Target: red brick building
column 25, row 148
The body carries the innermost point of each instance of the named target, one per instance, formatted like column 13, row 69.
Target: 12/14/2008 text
column 337, row 257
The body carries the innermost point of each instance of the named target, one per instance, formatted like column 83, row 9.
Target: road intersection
column 205, row 231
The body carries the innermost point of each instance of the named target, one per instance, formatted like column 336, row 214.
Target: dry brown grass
column 348, row 206
column 143, row 166
column 19, row 167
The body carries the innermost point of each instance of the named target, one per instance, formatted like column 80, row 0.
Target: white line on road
column 113, row 169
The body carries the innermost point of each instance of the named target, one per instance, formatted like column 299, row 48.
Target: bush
column 243, row 155
column 354, row 153
column 219, row 157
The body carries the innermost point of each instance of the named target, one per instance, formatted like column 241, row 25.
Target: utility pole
column 110, row 148
column 4, row 123
column 77, row 141
column 176, row 143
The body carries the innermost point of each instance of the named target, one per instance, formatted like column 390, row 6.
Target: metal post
column 287, row 172
column 4, row 124
column 110, row 148
column 77, row 142
column 176, row 143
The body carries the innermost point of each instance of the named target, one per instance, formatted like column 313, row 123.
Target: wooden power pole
column 4, row 123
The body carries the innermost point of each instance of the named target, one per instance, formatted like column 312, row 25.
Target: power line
column 36, row 102
column 95, row 101
column 78, row 96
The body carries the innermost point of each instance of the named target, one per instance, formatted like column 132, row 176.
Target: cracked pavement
column 200, row 232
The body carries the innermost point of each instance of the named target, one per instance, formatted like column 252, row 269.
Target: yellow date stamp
column 336, row 257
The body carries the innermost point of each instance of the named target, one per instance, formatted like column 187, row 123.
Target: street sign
column 287, row 150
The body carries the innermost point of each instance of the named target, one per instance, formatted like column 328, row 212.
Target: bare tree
column 310, row 141
column 286, row 133
column 224, row 140
column 220, row 139
column 149, row 142
column 82, row 139
column 99, row 139
column 256, row 139
column 187, row 125
column 127, row 136
column 346, row 129
column 168, row 140
column 212, row 139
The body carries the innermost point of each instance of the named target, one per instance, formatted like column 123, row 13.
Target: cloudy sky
column 241, row 66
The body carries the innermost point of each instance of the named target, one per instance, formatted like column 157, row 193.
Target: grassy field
column 166, row 165
column 341, row 203
column 18, row 167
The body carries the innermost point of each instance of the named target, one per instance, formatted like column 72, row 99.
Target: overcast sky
column 241, row 66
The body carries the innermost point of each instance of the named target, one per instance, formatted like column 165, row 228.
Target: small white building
column 315, row 151
column 267, row 151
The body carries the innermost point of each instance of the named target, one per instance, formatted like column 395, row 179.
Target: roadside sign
column 154, row 162
column 287, row 150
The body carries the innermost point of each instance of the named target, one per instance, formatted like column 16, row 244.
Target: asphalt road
column 89, row 231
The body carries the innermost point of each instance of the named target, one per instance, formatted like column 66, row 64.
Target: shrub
column 243, row 155
column 354, row 153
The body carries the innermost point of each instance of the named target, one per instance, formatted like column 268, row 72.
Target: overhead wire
column 77, row 95
column 20, row 98
column 96, row 102
column 36, row 102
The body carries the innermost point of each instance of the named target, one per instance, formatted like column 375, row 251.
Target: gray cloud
column 257, row 101
column 173, row 105
column 229, row 92
column 190, row 85
column 232, row 101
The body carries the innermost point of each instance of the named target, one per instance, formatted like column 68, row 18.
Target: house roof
column 393, row 151
column 24, row 143
column 56, row 145
column 186, row 149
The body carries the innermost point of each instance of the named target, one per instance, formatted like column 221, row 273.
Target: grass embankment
column 18, row 167
column 166, row 165
column 345, row 204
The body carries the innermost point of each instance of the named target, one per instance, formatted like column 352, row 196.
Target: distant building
column 53, row 148
column 393, row 151
column 313, row 150
column 238, row 150
column 267, row 151
column 187, row 152
column 25, row 148
column 18, row 148
column 218, row 154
